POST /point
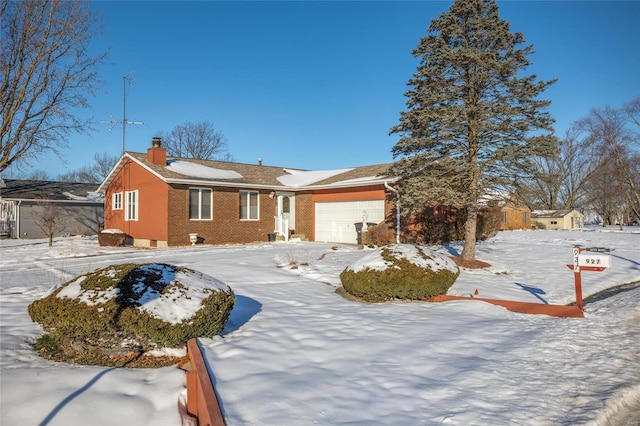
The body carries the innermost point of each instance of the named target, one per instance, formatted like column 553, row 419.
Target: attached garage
column 335, row 221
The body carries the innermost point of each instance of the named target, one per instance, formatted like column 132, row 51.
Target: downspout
column 18, row 218
column 386, row 184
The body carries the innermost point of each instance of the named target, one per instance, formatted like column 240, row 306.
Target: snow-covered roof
column 306, row 177
column 43, row 190
column 200, row 170
column 550, row 213
column 91, row 196
column 224, row 173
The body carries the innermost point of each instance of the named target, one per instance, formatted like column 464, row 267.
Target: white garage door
column 335, row 221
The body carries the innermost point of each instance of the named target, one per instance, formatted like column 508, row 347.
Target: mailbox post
column 587, row 262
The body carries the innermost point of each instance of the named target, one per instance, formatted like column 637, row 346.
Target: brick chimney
column 156, row 154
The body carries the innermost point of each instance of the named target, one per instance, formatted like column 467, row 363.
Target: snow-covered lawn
column 295, row 353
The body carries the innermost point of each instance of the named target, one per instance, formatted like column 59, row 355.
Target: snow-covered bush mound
column 399, row 271
column 127, row 310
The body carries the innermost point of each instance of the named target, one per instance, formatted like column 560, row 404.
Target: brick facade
column 515, row 218
column 162, row 190
column 304, row 215
column 225, row 226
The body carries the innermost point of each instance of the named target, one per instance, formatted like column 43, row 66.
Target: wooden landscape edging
column 522, row 307
column 202, row 402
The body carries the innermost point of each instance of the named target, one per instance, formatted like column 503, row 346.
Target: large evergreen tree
column 473, row 120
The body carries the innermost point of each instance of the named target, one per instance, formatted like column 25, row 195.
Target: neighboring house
column 515, row 217
column 158, row 201
column 558, row 219
column 23, row 203
column 592, row 217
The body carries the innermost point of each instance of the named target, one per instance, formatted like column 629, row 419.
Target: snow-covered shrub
column 399, row 271
column 130, row 308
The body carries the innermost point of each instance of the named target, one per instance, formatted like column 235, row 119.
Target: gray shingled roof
column 44, row 190
column 251, row 173
column 255, row 174
column 375, row 170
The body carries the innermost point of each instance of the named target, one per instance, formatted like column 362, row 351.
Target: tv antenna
column 126, row 80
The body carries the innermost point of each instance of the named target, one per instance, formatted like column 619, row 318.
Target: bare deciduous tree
column 198, row 140
column 605, row 194
column 632, row 109
column 37, row 175
column 94, row 173
column 608, row 130
column 560, row 178
column 51, row 219
column 47, row 74
column 102, row 165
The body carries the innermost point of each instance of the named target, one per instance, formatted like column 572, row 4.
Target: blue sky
column 318, row 85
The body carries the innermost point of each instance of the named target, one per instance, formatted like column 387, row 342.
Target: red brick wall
column 304, row 215
column 225, row 226
column 164, row 211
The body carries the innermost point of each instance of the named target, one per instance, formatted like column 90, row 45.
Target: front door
column 286, row 209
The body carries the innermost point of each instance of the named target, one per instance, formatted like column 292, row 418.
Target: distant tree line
column 595, row 167
column 95, row 172
column 476, row 124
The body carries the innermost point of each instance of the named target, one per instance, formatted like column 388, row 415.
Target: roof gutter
column 272, row 187
column 389, row 187
column 46, row 200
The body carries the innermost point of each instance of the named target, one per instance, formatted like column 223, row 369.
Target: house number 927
column 600, row 260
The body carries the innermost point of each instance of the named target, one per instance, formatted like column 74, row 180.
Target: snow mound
column 419, row 255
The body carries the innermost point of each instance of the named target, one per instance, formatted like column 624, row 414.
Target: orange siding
column 152, row 204
column 350, row 194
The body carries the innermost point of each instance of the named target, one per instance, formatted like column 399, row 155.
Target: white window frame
column 116, row 201
column 131, row 206
column 249, row 195
column 200, row 195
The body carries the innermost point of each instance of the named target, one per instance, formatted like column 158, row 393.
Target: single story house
column 514, row 216
column 159, row 201
column 24, row 202
column 558, row 219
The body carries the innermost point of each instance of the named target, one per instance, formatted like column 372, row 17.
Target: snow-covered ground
column 296, row 353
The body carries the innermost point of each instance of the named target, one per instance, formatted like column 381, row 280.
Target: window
column 505, row 217
column 116, row 201
column 199, row 204
column 525, row 217
column 131, row 205
column 249, row 205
